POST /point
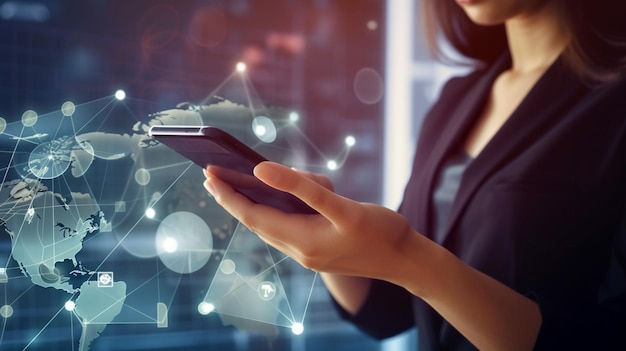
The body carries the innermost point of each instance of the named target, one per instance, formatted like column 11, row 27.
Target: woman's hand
column 363, row 240
column 347, row 237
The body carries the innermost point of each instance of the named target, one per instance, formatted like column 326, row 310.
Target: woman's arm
column 489, row 314
column 350, row 292
column 351, row 239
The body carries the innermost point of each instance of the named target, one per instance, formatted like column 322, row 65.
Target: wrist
column 421, row 265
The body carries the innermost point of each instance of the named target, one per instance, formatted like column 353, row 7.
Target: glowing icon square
column 105, row 279
column 267, row 291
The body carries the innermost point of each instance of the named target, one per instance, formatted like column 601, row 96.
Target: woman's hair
column 597, row 49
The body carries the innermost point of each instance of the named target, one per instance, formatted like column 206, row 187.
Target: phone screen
column 232, row 160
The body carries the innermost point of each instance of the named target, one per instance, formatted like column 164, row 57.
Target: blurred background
column 354, row 68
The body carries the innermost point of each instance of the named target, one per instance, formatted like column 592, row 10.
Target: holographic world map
column 85, row 185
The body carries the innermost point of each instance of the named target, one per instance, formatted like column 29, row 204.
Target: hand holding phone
column 232, row 161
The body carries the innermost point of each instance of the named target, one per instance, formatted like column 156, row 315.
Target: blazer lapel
column 461, row 120
column 539, row 109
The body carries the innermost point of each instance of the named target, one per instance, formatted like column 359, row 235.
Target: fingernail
column 208, row 185
column 267, row 173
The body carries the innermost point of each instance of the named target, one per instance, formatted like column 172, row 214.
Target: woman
column 510, row 235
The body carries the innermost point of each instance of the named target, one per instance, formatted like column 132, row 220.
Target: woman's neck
column 536, row 39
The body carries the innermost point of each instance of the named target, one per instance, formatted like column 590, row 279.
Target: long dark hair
column 596, row 51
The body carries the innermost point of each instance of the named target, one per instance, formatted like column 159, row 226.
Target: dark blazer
column 541, row 209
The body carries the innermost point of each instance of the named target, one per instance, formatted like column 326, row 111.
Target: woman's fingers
column 263, row 219
column 318, row 178
column 236, row 179
column 326, row 202
column 232, row 201
column 260, row 219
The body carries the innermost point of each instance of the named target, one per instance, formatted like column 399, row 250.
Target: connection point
column 68, row 108
column 350, row 140
column 294, row 117
column 70, row 305
column 205, row 308
column 150, row 212
column 297, row 328
column 241, row 67
column 332, row 165
column 120, row 95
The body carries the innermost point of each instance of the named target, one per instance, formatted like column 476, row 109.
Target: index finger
column 235, row 178
column 324, row 201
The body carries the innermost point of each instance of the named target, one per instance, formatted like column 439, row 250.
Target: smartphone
column 233, row 162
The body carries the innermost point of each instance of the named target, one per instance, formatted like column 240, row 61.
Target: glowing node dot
column 205, row 308
column 170, row 245
column 294, row 117
column 228, row 266
column 260, row 130
column 68, row 108
column 372, row 25
column 142, row 177
column 150, row 213
column 241, row 67
column 297, row 328
column 332, row 165
column 29, row 118
column 264, row 129
column 50, row 157
column 70, row 305
column 6, row 311
column 120, row 95
column 350, row 140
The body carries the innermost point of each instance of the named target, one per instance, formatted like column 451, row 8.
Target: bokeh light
column 193, row 238
column 368, row 86
column 208, row 27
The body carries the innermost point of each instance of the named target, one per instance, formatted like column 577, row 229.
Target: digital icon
column 267, row 290
column 105, row 279
column 162, row 315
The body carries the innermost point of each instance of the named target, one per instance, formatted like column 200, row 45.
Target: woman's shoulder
column 460, row 84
